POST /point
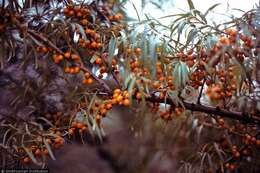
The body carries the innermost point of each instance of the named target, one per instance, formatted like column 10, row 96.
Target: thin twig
column 45, row 40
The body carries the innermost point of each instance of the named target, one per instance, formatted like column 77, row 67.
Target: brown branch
column 240, row 116
column 45, row 40
column 24, row 29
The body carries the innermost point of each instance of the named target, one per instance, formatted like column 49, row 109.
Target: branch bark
column 240, row 116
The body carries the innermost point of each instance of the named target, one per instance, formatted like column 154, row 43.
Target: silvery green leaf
column 191, row 5
column 181, row 27
column 123, row 38
column 202, row 16
column 173, row 96
column 180, row 75
column 211, row 8
column 47, row 145
column 191, row 35
column 131, row 87
column 79, row 117
column 81, row 30
column 127, row 80
column 111, row 49
column 153, row 48
column 30, row 154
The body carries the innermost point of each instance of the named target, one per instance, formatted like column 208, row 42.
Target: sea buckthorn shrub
column 66, row 64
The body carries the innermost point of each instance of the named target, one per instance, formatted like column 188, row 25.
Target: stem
column 45, row 40
column 240, row 116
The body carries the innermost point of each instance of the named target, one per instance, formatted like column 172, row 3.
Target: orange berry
column 66, row 69
column 89, row 81
column 232, row 167
column 129, row 51
column 58, row 140
column 237, row 154
column 88, row 31
column 48, row 141
column 46, row 151
column 56, row 60
column 66, row 11
column 221, row 121
column 114, row 61
column 103, row 69
column 75, row 57
column 79, row 14
column 98, row 61
column 113, row 101
column 72, row 71
column 77, row 69
column 117, row 91
column 119, row 98
column 87, row 75
column 126, row 102
column 37, row 152
column 126, row 95
column 138, row 51
column 85, row 81
column 98, row 119
column 60, row 57
column 57, row 146
column 156, row 84
column 71, row 132
column 26, row 160
column 103, row 111
column 224, row 40
column 79, row 125
column 138, row 95
column 227, row 165
column 162, row 95
column 108, row 106
column 231, row 32
column 84, row 21
column 74, row 124
column 84, row 128
column 190, row 63
column 67, row 55
column 99, row 45
column 71, row 13
column 44, row 49
column 118, row 16
column 111, row 17
column 93, row 44
column 258, row 142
